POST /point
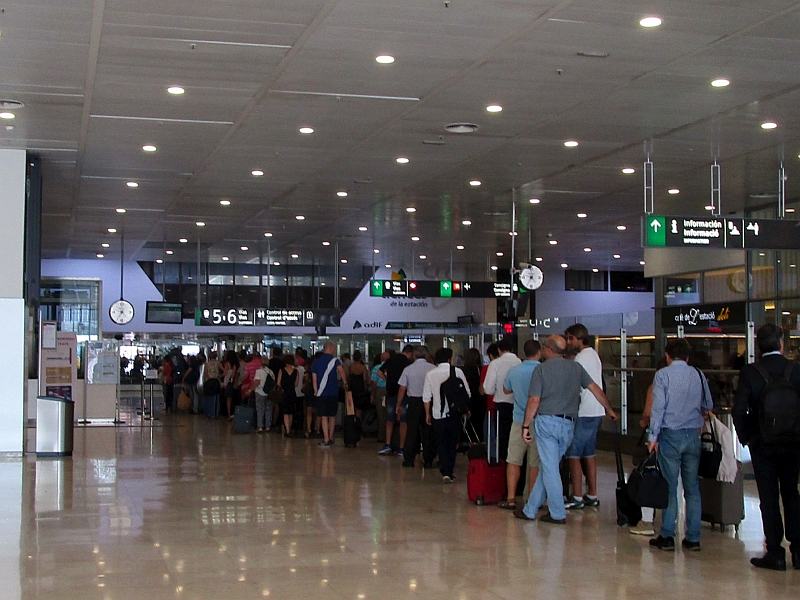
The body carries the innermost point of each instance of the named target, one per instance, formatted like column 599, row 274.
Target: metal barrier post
column 680, row 332
column 623, row 377
column 751, row 342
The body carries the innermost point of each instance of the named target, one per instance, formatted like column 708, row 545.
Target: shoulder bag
column 647, row 485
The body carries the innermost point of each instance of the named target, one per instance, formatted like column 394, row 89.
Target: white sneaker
column 642, row 528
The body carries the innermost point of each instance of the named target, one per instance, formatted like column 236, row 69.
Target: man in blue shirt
column 518, row 382
column 324, row 373
column 681, row 399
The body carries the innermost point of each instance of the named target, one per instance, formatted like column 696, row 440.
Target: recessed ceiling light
column 641, row 262
column 159, row 261
column 673, row 191
column 762, row 253
column 650, row 22
column 474, row 183
column 769, row 125
column 621, row 227
column 552, row 242
column 257, row 173
column 306, row 130
column 225, row 258
column 341, row 194
column 100, row 255
column 534, row 201
column 183, row 240
column 629, row 170
column 789, row 210
column 494, row 108
column 459, row 247
column 277, row 263
column 617, row 256
column 149, row 148
column 499, row 253
column 595, row 270
column 300, row 217
column 710, row 207
column 326, row 243
column 225, row 202
column 414, row 238
column 493, row 267
column 169, row 252
column 7, row 115
column 200, row 223
column 402, row 160
column 244, row 248
column 466, row 222
column 362, row 228
column 384, row 59
column 513, row 233
column 132, row 184
column 587, row 249
column 176, row 90
column 295, row 256
column 581, row 215
column 106, row 245
column 720, row 83
column 539, row 259
column 344, row 278
column 793, row 266
column 564, row 265
column 343, row 261
column 121, row 211
column 570, row 143
column 422, row 256
column 267, row 234
column 111, row 230
column 388, row 266
column 411, row 209
column 376, row 251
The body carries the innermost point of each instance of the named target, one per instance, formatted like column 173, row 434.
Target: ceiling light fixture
column 564, row 265
column 494, row 267
column 121, row 211
column 343, row 261
column 106, row 245
column 422, row 256
column 176, row 90
column 362, row 228
column 769, row 125
column 570, row 143
column 789, row 210
column 244, row 248
column 183, row 240
column 402, row 160
column 552, row 242
column 388, row 266
column 710, row 207
column 200, row 223
column 414, row 238
column 277, row 263
column 539, row 259
column 459, row 247
column 341, row 194
column 581, row 215
column 534, row 201
column 225, row 202
column 673, row 191
column 100, row 255
column 7, row 115
column 513, row 233
column 257, row 173
column 629, row 170
column 149, row 148
column 225, row 258
column 376, row 251
column 641, row 262
column 159, row 261
column 111, row 230
column 267, row 234
column 621, row 227
column 295, row 256
column 474, row 183
column 595, row 270
column 494, row 108
column 169, row 252
column 132, row 184
column 617, row 256
column 384, row 59
column 587, row 249
column 499, row 253
column 300, row 217
column 466, row 222
column 411, row 209
column 306, row 130
column 650, row 22
column 720, row 83
column 326, row 243
column 461, row 127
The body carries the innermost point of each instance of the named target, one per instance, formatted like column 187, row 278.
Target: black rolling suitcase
column 351, row 426
column 628, row 512
column 243, row 418
column 723, row 503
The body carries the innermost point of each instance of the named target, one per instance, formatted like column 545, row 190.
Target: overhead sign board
column 722, row 233
column 420, row 325
column 712, row 318
column 388, row 288
column 267, row 317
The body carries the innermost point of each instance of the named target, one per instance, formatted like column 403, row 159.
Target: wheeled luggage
column 486, row 476
column 351, row 426
column 491, row 431
column 243, row 418
column 723, row 503
column 628, row 512
column 211, row 406
column 369, row 421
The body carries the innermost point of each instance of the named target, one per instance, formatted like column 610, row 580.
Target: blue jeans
column 679, row 454
column 553, row 437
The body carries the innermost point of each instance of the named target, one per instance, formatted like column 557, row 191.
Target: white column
column 12, row 303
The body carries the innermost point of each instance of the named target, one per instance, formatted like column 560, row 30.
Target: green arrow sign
column 376, row 289
column 656, row 231
column 446, row 289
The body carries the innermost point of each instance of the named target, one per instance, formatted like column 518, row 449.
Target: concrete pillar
column 12, row 302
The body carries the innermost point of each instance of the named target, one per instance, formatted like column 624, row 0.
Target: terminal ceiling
column 93, row 77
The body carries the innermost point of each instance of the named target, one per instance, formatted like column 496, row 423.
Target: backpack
column 269, row 382
column 779, row 409
column 455, row 393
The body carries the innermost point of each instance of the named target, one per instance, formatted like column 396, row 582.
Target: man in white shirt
column 493, row 384
column 581, row 452
column 446, row 426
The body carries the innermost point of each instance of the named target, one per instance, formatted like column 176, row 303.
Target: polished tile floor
column 187, row 510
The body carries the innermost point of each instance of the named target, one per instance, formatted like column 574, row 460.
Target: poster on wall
column 102, row 365
column 60, row 367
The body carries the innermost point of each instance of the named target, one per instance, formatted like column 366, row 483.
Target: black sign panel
column 268, row 317
column 420, row 325
column 709, row 318
column 388, row 288
column 771, row 234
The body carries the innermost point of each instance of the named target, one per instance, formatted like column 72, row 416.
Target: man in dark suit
column 776, row 466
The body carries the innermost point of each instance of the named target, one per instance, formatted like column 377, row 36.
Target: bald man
column 324, row 373
column 554, row 398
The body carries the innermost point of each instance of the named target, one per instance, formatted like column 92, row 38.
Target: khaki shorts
column 517, row 448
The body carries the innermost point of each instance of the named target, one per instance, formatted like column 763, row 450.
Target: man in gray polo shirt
column 554, row 400
column 412, row 382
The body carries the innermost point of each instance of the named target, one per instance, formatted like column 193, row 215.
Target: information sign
column 439, row 289
column 716, row 232
column 267, row 317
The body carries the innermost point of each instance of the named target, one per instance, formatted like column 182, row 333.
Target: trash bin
column 54, row 426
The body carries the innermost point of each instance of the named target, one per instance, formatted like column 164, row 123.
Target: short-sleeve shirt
column 393, row 368
column 558, row 383
column 379, row 383
column 319, row 367
column 589, row 360
column 413, row 377
column 518, row 381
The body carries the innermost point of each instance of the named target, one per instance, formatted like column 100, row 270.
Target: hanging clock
column 531, row 277
column 121, row 312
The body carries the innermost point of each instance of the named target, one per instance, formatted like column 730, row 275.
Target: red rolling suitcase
column 486, row 477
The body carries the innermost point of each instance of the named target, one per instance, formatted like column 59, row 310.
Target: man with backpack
column 445, row 395
column 767, row 418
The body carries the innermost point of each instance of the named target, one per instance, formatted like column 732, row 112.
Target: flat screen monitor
column 164, row 312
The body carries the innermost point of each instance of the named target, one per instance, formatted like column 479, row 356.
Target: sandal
column 507, row 504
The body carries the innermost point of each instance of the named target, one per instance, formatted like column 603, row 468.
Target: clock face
column 531, row 277
column 121, row 312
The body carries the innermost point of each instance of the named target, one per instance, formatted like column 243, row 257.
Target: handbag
column 647, row 485
column 710, row 453
column 184, row 400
